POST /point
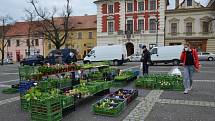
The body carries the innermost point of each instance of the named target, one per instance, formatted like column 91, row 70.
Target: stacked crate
column 46, row 110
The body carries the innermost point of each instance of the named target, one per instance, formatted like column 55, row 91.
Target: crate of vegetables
column 47, row 84
column 66, row 101
column 64, row 83
column 132, row 92
column 109, row 107
column 48, row 109
column 148, row 83
column 25, row 105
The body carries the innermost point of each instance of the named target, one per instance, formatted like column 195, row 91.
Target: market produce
column 161, row 81
column 36, row 94
column 110, row 107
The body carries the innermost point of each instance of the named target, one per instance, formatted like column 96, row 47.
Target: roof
column 188, row 10
column 22, row 28
column 97, row 1
column 80, row 22
column 184, row 1
column 5, row 29
column 211, row 3
column 75, row 22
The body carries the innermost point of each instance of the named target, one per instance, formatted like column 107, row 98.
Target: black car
column 33, row 60
column 64, row 53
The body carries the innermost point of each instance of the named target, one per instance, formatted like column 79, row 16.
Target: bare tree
column 3, row 31
column 29, row 18
column 55, row 29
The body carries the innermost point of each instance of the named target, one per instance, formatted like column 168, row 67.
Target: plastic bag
column 141, row 66
column 175, row 71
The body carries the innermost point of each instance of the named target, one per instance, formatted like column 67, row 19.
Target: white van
column 115, row 53
column 166, row 54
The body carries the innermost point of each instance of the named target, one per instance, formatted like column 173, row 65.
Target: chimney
column 176, row 4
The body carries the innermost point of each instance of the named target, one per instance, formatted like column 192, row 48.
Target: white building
column 131, row 22
column 191, row 23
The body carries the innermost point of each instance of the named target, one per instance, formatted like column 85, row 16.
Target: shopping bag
column 141, row 66
column 175, row 71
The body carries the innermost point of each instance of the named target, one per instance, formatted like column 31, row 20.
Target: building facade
column 131, row 22
column 21, row 42
column 82, row 35
column 191, row 23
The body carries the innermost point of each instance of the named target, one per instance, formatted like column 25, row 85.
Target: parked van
column 166, row 54
column 115, row 53
column 65, row 53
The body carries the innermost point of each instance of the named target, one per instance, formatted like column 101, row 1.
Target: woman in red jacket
column 190, row 60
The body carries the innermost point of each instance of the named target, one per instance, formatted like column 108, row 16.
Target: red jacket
column 195, row 57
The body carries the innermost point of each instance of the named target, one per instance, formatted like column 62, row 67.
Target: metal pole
column 157, row 32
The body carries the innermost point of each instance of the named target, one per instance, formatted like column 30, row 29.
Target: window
column 189, row 2
column 205, row 53
column 152, row 4
column 17, row 43
column 110, row 27
column 129, row 7
column 140, row 24
column 154, row 51
column 152, row 25
column 140, row 6
column 49, row 46
column 36, row 42
column 173, row 28
column 28, row 42
column 110, row 8
column 189, row 28
column 205, row 27
column 151, row 46
column 90, row 35
column 66, row 45
column 79, row 35
column 8, row 43
column 172, row 44
column 130, row 25
column 32, row 42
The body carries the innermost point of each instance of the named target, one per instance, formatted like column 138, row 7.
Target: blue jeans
column 188, row 76
column 145, row 69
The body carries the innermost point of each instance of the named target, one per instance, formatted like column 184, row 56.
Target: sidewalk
column 198, row 105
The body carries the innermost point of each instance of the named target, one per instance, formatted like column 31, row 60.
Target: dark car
column 64, row 53
column 33, row 60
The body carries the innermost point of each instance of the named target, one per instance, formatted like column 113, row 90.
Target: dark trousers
column 145, row 68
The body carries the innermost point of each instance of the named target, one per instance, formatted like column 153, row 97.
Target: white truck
column 115, row 53
column 166, row 54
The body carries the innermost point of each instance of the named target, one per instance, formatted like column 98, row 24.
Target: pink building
column 20, row 39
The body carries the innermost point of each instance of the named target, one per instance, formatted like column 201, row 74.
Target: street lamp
column 157, row 31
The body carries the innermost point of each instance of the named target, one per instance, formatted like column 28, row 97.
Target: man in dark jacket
column 145, row 59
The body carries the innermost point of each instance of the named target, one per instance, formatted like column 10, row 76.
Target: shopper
column 146, row 60
column 190, row 60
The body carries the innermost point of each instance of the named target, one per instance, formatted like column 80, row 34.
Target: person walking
column 145, row 59
column 190, row 60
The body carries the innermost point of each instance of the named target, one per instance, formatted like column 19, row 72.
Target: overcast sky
column 15, row 8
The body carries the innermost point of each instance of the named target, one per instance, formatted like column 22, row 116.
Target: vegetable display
column 109, row 107
column 161, row 81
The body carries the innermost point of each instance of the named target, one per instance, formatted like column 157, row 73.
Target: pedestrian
column 146, row 60
column 190, row 60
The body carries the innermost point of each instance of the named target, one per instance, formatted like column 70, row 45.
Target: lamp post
column 157, row 31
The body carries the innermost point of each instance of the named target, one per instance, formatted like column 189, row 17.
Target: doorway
column 130, row 48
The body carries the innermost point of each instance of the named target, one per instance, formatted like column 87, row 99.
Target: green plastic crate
column 56, row 116
column 47, row 106
column 109, row 112
column 65, row 84
column 119, row 83
column 66, row 101
column 25, row 105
